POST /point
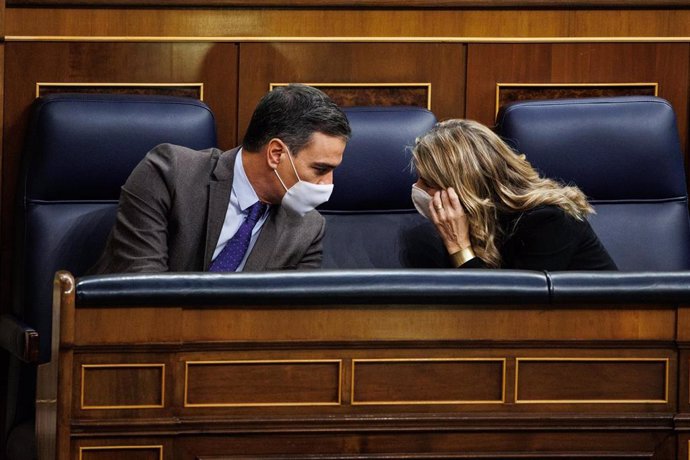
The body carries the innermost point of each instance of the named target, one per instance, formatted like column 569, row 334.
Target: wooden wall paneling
column 667, row 64
column 348, row 22
column 582, row 63
column 213, row 64
column 442, row 65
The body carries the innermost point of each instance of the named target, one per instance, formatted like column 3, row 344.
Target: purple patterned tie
column 232, row 254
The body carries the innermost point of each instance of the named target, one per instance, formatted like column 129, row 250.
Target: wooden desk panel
column 374, row 381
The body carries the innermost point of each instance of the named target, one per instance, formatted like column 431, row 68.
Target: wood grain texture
column 590, row 380
column 262, row 382
column 441, row 65
column 120, row 386
column 684, row 383
column 333, row 23
column 431, row 381
column 114, row 386
column 492, row 4
column 508, row 94
column 445, row 445
column 593, row 63
column 408, row 359
column 430, row 324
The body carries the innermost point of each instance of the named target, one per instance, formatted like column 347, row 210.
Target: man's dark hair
column 292, row 114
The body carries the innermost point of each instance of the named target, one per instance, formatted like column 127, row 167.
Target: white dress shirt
column 242, row 197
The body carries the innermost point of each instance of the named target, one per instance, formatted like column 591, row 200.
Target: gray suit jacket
column 171, row 213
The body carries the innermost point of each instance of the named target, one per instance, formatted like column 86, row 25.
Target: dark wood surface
column 323, row 23
column 352, row 64
column 376, row 381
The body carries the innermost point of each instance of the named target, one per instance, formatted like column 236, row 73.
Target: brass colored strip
column 296, row 39
column 432, row 402
column 126, row 406
column 264, row 361
column 593, row 401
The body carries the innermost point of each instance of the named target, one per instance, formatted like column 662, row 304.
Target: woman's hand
column 450, row 220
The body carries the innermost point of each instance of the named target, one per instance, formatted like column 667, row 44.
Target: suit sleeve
column 314, row 254
column 139, row 239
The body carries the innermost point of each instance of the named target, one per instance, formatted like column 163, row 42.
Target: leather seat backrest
column 624, row 153
column 371, row 221
column 80, row 149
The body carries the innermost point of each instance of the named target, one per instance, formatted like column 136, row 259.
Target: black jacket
column 548, row 238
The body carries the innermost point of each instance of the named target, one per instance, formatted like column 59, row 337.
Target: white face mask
column 303, row 196
column 421, row 201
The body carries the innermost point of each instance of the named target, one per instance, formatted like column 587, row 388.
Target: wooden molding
column 421, row 4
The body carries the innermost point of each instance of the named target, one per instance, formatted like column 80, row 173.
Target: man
column 250, row 208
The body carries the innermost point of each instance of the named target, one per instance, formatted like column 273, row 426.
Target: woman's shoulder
column 545, row 211
column 540, row 216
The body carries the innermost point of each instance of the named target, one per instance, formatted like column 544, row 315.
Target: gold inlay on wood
column 197, row 87
column 430, row 402
column 106, row 448
column 650, row 85
column 338, row 402
column 426, row 86
column 120, row 366
column 665, row 361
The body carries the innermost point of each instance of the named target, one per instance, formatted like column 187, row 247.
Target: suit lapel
column 220, row 188
column 266, row 244
column 270, row 240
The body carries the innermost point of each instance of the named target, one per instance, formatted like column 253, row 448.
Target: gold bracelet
column 462, row 256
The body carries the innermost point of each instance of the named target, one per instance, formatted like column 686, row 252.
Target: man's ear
column 275, row 148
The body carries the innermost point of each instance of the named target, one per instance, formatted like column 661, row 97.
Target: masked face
column 303, row 196
column 421, row 201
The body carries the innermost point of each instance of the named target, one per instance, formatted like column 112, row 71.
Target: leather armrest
column 309, row 287
column 612, row 287
column 18, row 338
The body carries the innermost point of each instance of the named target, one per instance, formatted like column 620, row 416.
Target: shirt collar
column 241, row 187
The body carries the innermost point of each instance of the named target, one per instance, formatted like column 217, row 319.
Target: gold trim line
column 353, row 39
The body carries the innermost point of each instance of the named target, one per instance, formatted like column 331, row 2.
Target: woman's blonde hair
column 489, row 178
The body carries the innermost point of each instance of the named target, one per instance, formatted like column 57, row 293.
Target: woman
column 493, row 210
